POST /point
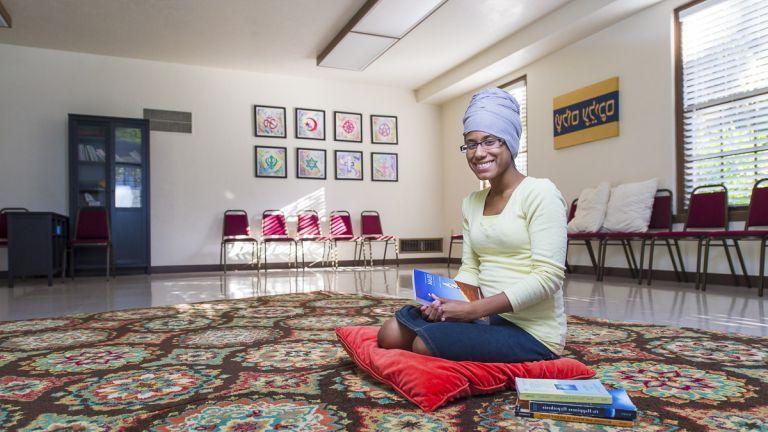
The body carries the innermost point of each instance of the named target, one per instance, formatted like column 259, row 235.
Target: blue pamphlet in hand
column 425, row 284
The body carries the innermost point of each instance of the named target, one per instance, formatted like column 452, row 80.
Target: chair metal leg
column 642, row 258
column 303, row 263
column 224, row 254
column 698, row 263
column 741, row 263
column 680, row 260
column 730, row 263
column 601, row 252
column 108, row 261
column 397, row 252
column 626, row 256
column 705, row 266
column 450, row 249
column 762, row 267
column 266, row 257
column 672, row 258
column 595, row 264
column 384, row 257
column 632, row 254
column 650, row 261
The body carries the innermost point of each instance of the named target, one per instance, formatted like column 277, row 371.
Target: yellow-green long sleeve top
column 521, row 253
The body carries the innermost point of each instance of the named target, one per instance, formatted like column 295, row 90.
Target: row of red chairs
column 274, row 229
column 706, row 224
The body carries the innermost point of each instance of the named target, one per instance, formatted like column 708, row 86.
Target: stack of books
column 584, row 401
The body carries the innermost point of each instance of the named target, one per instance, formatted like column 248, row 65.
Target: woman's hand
column 454, row 310
column 432, row 312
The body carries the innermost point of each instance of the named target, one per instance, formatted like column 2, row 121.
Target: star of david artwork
column 310, row 163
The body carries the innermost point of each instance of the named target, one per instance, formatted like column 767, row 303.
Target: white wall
column 639, row 50
column 194, row 178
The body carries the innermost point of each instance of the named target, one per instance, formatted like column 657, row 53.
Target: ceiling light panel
column 395, row 18
column 355, row 51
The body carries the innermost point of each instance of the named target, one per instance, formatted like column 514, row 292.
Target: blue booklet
column 621, row 408
column 425, row 283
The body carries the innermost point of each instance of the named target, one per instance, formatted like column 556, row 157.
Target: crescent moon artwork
column 310, row 124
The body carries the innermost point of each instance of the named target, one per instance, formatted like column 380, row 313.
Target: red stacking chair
column 91, row 230
column 661, row 221
column 455, row 238
column 587, row 238
column 371, row 231
column 707, row 213
column 308, row 230
column 757, row 216
column 340, row 230
column 275, row 229
column 236, row 229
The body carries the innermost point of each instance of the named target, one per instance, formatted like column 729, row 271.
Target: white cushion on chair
column 590, row 209
column 630, row 207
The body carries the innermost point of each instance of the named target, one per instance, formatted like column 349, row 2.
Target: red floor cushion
column 430, row 382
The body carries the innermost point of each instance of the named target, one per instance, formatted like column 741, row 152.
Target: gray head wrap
column 496, row 112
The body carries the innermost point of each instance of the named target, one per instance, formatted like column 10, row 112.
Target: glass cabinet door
column 128, row 167
column 91, row 179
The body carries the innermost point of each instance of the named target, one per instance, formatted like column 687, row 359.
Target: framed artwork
column 383, row 129
column 310, row 123
column 349, row 165
column 384, row 167
column 348, row 126
column 271, row 161
column 310, row 163
column 270, row 121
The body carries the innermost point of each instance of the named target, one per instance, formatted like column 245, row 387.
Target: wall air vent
column 169, row 121
column 421, row 245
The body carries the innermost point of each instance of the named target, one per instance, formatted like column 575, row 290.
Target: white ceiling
column 271, row 36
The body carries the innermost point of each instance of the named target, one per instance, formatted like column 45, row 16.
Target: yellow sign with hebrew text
column 587, row 114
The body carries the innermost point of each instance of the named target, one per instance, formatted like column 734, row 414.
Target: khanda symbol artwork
column 271, row 162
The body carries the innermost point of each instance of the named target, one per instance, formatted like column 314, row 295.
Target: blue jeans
column 496, row 340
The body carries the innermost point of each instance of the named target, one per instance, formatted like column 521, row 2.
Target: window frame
column 735, row 213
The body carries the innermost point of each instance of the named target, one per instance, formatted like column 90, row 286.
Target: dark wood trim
column 6, row 15
column 515, row 81
column 679, row 129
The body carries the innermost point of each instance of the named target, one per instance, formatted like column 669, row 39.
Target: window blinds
column 517, row 90
column 724, row 55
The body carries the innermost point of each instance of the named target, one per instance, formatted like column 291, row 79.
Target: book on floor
column 425, row 283
column 621, row 408
column 520, row 412
column 552, row 390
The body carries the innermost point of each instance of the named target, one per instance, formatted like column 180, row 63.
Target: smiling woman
column 514, row 253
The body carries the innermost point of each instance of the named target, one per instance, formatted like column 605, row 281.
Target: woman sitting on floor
column 514, row 251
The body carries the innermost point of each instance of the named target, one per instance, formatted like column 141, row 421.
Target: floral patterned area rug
column 273, row 363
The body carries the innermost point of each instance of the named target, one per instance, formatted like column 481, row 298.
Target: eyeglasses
column 488, row 143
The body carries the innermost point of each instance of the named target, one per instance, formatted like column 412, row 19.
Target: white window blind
column 517, row 90
column 724, row 55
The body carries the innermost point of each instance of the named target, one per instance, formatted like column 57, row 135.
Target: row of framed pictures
column 311, row 164
column 310, row 124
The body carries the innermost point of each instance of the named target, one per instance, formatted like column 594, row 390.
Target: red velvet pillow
column 430, row 382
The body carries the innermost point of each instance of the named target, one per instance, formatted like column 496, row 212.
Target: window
column 517, row 89
column 722, row 89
